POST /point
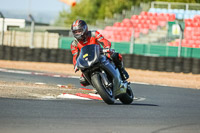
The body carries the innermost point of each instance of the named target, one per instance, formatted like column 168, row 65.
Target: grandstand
column 191, row 34
column 143, row 23
column 152, row 26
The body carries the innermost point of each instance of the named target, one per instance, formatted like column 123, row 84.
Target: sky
column 33, row 5
column 39, row 8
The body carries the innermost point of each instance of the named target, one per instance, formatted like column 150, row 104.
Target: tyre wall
column 153, row 63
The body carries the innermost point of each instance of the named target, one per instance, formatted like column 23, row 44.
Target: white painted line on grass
column 40, row 83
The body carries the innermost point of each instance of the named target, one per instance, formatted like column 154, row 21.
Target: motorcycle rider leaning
column 84, row 37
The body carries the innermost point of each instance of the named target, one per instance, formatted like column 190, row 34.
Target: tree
column 91, row 10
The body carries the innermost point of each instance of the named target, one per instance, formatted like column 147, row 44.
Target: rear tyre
column 105, row 95
column 127, row 98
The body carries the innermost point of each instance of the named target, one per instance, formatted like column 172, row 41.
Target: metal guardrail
column 169, row 5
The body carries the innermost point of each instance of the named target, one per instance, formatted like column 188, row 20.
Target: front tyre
column 105, row 95
column 127, row 98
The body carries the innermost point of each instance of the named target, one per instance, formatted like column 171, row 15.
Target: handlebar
column 107, row 50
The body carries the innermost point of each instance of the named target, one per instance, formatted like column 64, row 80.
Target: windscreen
column 88, row 56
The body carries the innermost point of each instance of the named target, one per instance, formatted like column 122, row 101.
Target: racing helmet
column 79, row 29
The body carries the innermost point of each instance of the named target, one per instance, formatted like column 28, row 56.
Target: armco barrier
column 154, row 63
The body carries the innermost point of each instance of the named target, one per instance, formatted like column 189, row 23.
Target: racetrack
column 160, row 109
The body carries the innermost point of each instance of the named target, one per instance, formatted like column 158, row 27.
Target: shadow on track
column 138, row 104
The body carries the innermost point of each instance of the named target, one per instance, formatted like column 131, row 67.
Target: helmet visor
column 78, row 32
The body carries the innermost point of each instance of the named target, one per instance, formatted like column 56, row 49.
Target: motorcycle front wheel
column 105, row 95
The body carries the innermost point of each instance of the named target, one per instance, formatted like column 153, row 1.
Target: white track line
column 70, row 96
column 57, row 75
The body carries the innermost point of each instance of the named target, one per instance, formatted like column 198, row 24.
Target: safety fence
column 143, row 49
column 154, row 63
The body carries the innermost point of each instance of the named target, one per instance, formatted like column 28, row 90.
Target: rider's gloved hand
column 106, row 50
column 76, row 68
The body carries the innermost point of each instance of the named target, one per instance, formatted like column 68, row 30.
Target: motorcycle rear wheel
column 127, row 98
column 97, row 83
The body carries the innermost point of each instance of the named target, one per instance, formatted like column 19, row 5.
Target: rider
column 84, row 37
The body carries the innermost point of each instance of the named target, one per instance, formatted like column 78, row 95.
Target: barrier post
column 180, row 40
column 132, row 42
column 2, row 30
column 32, row 30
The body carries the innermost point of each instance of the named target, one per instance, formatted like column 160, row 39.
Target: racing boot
column 83, row 81
column 117, row 59
column 123, row 72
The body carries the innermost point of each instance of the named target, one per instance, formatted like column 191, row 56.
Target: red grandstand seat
column 188, row 28
column 145, row 26
column 148, row 21
column 140, row 26
column 162, row 23
column 154, row 22
column 117, row 38
column 198, row 41
column 191, row 42
column 144, row 13
column 185, row 41
column 196, row 18
column 195, row 37
column 136, row 34
column 145, row 17
column 129, row 33
column 122, row 34
column 109, row 28
column 155, row 14
column 143, row 21
column 153, row 27
column 134, row 17
column 125, row 38
column 162, row 17
column 152, row 18
column 196, row 46
column 117, row 24
column 172, row 17
column 121, row 24
column 144, row 31
column 128, row 24
column 176, row 43
column 150, row 14
column 126, row 20
column 140, row 17
column 188, row 22
column 116, row 32
column 187, row 35
column 170, row 44
column 136, row 29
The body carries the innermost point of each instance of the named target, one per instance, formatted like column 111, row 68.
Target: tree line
column 92, row 10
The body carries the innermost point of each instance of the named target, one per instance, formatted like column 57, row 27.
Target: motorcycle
column 103, row 75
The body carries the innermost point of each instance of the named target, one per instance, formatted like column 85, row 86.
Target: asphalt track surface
column 165, row 109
